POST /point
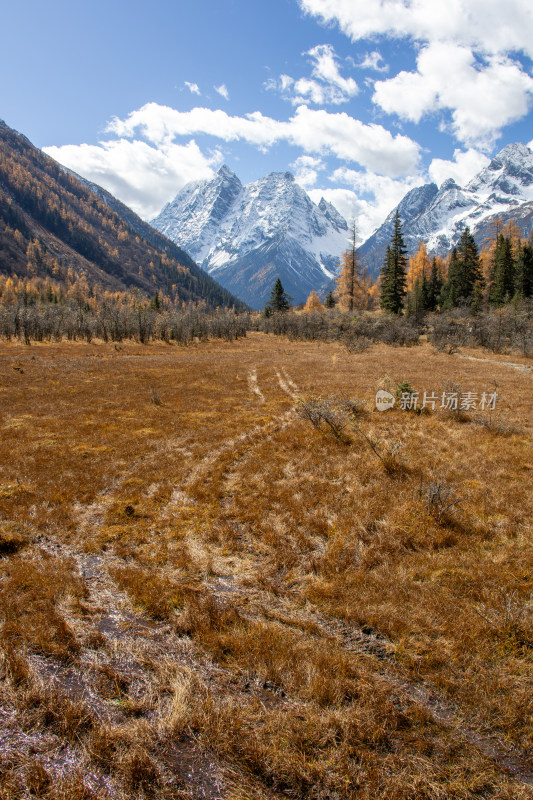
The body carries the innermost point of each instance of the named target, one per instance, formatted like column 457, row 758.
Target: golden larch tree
column 419, row 265
column 351, row 290
column 313, row 302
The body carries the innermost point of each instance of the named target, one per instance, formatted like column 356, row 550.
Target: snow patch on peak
column 222, row 223
column 440, row 215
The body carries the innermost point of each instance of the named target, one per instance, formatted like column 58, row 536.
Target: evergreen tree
column 330, row 301
column 434, row 287
column 470, row 272
column 502, row 288
column 465, row 278
column 393, row 272
column 451, row 291
column 524, row 271
column 279, row 300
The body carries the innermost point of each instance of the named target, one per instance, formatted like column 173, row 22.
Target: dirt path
column 521, row 367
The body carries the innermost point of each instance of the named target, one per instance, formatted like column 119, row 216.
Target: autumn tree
column 393, row 272
column 313, row 302
column 419, row 266
column 350, row 281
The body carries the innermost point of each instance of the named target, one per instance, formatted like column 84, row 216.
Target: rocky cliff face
column 247, row 236
column 504, row 188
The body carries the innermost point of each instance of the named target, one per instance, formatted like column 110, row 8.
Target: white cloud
column 326, row 69
column 222, row 90
column 306, row 169
column 465, row 165
column 372, row 196
column 483, row 96
column 372, row 146
column 467, row 65
column 489, row 26
column 142, row 176
column 374, row 60
column 192, row 87
column 314, row 130
column 145, row 166
column 325, row 86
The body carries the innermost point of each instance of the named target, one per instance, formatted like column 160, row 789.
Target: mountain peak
column 439, row 216
column 225, row 172
column 248, row 235
column 449, row 183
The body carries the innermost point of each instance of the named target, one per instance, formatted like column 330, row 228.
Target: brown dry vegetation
column 202, row 595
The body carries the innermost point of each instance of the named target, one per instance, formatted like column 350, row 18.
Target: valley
column 207, row 597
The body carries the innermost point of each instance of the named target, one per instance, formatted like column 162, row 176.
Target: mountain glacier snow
column 246, row 236
column 438, row 216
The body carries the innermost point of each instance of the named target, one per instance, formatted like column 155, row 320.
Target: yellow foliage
column 313, row 302
column 419, row 265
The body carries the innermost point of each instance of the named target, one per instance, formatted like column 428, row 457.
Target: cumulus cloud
column 467, row 65
column 372, row 146
column 489, row 26
column 313, row 130
column 326, row 84
column 465, row 165
column 222, row 91
column 192, row 87
column 145, row 166
column 482, row 96
column 326, row 69
column 142, row 176
column 374, row 60
column 306, row 169
column 372, row 196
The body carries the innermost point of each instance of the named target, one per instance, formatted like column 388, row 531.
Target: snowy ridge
column 272, row 222
column 439, row 216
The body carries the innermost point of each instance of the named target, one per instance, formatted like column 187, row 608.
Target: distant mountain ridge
column 502, row 189
column 246, row 236
column 68, row 223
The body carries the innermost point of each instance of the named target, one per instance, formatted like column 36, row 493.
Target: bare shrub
column 329, row 411
column 155, row 397
column 507, row 618
column 440, row 497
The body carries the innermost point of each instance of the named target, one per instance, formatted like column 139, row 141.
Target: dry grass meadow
column 204, row 596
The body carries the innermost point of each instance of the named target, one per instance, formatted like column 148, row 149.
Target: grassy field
column 203, row 595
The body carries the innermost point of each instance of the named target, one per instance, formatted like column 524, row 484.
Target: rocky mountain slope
column 54, row 224
column 503, row 189
column 247, row 236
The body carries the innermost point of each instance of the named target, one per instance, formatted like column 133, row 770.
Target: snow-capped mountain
column 247, row 236
column 502, row 189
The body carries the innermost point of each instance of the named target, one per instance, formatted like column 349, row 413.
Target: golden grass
column 290, row 610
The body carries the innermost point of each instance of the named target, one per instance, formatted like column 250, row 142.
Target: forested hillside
column 53, row 225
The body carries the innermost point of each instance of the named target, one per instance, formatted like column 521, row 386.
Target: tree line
column 466, row 278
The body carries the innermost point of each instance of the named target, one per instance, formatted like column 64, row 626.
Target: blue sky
column 361, row 99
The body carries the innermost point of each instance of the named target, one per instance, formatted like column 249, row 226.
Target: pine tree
column 502, row 283
column 434, row 287
column 393, row 272
column 465, row 278
column 470, row 268
column 524, row 270
column 279, row 300
column 330, row 301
